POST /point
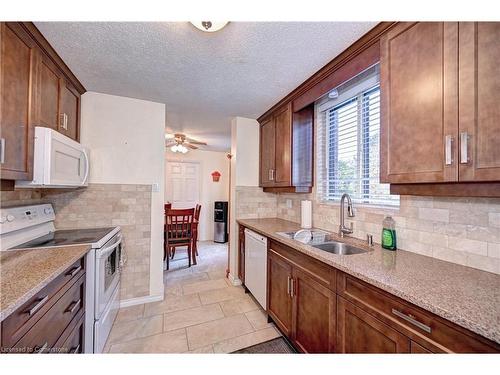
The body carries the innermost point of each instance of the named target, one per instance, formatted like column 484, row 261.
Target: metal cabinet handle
column 73, row 306
column 2, row 150
column 448, row 150
column 464, row 148
column 411, row 319
column 75, row 350
column 63, row 121
column 72, row 272
column 42, row 348
column 288, row 286
column 292, row 287
column 37, row 306
column 272, row 174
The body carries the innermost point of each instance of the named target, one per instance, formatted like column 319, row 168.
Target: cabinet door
column 479, row 98
column 419, row 107
column 48, row 94
column 418, row 349
column 69, row 110
column 267, row 153
column 18, row 74
column 283, row 157
column 279, row 300
column 313, row 314
column 360, row 332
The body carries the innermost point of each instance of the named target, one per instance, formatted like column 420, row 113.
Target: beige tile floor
column 201, row 313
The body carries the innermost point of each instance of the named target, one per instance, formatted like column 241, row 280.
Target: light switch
column 288, row 203
column 155, row 188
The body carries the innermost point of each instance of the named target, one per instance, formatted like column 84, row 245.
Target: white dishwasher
column 256, row 266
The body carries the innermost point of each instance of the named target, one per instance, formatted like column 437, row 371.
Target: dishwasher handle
column 255, row 236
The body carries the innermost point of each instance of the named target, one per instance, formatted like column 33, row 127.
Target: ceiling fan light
column 183, row 149
column 174, row 148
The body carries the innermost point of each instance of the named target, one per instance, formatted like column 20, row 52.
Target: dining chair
column 178, row 232
column 197, row 211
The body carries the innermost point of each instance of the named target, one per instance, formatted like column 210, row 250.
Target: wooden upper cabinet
column 419, row 108
column 18, row 74
column 314, row 314
column 360, row 332
column 479, row 101
column 69, row 110
column 48, row 91
column 279, row 300
column 267, row 152
column 283, row 163
column 286, row 150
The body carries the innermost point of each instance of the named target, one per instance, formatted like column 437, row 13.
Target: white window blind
column 349, row 143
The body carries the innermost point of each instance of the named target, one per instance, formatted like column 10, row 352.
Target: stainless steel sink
column 339, row 248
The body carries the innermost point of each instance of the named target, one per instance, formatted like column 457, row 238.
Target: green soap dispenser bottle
column 389, row 233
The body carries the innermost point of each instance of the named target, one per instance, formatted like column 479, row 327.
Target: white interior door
column 183, row 184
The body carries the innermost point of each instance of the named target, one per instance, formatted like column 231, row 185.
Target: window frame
column 358, row 90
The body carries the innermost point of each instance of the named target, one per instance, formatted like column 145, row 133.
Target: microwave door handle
column 87, row 165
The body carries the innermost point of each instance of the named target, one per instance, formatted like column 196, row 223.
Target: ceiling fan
column 180, row 143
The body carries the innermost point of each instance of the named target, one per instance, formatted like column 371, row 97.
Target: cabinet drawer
column 425, row 328
column 320, row 271
column 72, row 340
column 44, row 334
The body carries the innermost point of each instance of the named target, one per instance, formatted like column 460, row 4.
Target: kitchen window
column 349, row 142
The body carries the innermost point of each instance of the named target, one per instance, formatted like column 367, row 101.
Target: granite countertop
column 463, row 295
column 23, row 273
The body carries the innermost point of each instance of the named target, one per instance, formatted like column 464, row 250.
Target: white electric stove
column 30, row 227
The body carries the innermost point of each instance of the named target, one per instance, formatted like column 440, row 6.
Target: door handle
column 464, row 148
column 63, row 121
column 448, row 150
column 72, row 272
column 2, row 150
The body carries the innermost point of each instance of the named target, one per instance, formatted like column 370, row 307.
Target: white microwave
column 59, row 161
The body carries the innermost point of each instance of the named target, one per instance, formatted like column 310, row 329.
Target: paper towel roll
column 306, row 214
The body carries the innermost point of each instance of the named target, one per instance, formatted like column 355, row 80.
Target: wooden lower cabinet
column 359, row 332
column 323, row 310
column 314, row 309
column 279, row 302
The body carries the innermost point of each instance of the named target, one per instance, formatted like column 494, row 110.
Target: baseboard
column 140, row 300
column 234, row 279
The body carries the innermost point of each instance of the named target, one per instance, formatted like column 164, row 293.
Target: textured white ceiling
column 204, row 79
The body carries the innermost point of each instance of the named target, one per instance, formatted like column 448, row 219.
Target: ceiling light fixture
column 209, row 26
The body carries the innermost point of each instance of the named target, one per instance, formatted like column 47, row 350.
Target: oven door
column 107, row 273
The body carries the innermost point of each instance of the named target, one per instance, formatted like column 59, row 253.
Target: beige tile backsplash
column 252, row 203
column 98, row 205
column 459, row 230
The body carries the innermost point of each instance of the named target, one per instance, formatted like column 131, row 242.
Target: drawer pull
column 72, row 272
column 38, row 305
column 411, row 319
column 74, row 305
column 75, row 350
column 42, row 348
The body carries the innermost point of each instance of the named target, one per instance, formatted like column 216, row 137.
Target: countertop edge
column 459, row 320
column 7, row 311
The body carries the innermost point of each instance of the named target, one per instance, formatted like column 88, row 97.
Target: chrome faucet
column 350, row 212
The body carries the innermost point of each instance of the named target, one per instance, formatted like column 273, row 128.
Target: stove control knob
column 3, row 219
column 10, row 218
column 47, row 211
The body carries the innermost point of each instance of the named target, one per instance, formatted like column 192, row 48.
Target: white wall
column 126, row 141
column 244, row 172
column 210, row 191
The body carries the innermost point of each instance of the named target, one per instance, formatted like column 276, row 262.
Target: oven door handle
column 106, row 251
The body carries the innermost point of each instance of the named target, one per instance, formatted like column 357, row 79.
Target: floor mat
column 274, row 346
